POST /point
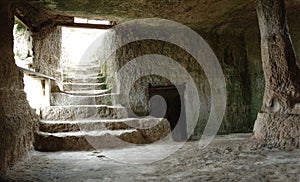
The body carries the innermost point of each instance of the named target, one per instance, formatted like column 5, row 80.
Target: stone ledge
column 82, row 112
column 74, row 141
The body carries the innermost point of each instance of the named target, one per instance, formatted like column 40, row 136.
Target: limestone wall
column 229, row 47
column 16, row 117
column 256, row 76
column 293, row 23
column 47, row 51
column 139, row 94
column 238, row 51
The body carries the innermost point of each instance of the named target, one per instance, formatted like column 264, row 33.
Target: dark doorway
column 175, row 111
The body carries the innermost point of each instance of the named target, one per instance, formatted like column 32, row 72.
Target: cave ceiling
column 202, row 14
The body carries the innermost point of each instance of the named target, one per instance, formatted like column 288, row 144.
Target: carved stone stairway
column 83, row 117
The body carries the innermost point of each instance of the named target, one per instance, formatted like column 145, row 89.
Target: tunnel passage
column 175, row 108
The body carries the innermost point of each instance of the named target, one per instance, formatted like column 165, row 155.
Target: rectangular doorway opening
column 175, row 112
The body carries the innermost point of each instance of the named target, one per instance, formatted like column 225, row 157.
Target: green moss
column 255, row 71
column 20, row 27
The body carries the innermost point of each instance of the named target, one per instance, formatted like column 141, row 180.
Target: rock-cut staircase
column 83, row 117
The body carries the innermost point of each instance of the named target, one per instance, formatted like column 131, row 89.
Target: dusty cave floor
column 227, row 158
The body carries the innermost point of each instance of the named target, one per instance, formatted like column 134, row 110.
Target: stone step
column 147, row 123
column 88, row 92
column 83, row 75
column 77, row 135
column 87, row 68
column 76, row 112
column 60, row 99
column 82, row 140
column 75, row 79
column 83, row 86
column 81, row 69
column 82, row 64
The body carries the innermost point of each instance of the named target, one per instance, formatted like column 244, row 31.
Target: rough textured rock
column 256, row 76
column 47, row 51
column 83, row 86
column 106, row 124
column 86, row 140
column 278, row 130
column 226, row 29
column 229, row 32
column 232, row 55
column 194, row 13
column 252, row 38
column 230, row 48
column 76, row 122
column 82, row 112
column 228, row 158
column 278, row 123
column 17, row 119
column 99, row 134
column 282, row 89
column 153, row 129
column 59, row 99
column 206, row 14
column 139, row 93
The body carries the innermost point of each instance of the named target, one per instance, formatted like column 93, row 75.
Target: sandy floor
column 227, row 158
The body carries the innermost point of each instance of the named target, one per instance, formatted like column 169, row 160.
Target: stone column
column 278, row 124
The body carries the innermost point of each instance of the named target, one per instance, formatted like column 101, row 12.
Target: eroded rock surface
column 227, row 158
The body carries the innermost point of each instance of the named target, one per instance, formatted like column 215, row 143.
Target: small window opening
column 89, row 21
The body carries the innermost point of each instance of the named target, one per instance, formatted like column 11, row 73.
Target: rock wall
column 294, row 26
column 17, row 119
column 256, row 76
column 139, row 93
column 229, row 47
column 47, row 51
